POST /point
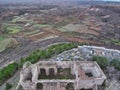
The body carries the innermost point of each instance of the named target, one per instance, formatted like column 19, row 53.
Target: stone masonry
column 88, row 75
column 87, row 52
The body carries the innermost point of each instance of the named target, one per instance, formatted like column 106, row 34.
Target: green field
column 19, row 19
column 115, row 41
column 13, row 29
column 73, row 27
column 4, row 43
column 1, row 38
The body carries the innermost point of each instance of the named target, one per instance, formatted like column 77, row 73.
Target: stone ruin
column 61, row 75
column 87, row 52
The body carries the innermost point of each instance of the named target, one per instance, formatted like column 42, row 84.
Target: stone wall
column 78, row 69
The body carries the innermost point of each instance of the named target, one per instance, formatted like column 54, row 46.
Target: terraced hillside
column 36, row 27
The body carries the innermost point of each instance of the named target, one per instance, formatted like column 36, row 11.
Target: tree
column 8, row 86
column 116, row 64
column 102, row 61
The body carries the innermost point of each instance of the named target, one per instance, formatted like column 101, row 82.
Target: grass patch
column 73, row 27
column 1, row 38
column 115, row 41
column 13, row 29
column 4, row 43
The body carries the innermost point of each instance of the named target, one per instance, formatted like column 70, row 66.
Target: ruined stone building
column 61, row 75
column 89, row 51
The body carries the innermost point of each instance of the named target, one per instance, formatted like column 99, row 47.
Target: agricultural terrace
column 72, row 27
column 80, row 28
column 4, row 43
column 11, row 28
column 19, row 19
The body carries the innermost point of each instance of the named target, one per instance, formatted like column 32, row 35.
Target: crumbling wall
column 86, row 53
column 89, row 51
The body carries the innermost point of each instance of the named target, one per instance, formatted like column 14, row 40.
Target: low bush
column 102, row 61
column 7, row 72
column 116, row 64
column 8, row 86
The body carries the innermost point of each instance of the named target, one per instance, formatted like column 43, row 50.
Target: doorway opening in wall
column 51, row 71
column 39, row 86
column 29, row 77
column 42, row 71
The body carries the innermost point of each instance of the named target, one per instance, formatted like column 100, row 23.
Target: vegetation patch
column 62, row 73
column 49, row 52
column 4, row 43
column 10, row 70
column 7, row 72
column 19, row 19
column 104, row 62
column 116, row 64
column 13, row 29
column 115, row 41
column 73, row 27
column 1, row 38
column 8, row 86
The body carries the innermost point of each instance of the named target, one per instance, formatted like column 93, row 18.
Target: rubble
column 87, row 52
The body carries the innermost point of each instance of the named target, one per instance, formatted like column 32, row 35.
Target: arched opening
column 69, row 86
column 42, row 71
column 20, row 88
column 51, row 71
column 39, row 86
column 29, row 77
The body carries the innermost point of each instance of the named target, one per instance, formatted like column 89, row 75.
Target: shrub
column 8, row 71
column 102, row 61
column 8, row 86
column 116, row 64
